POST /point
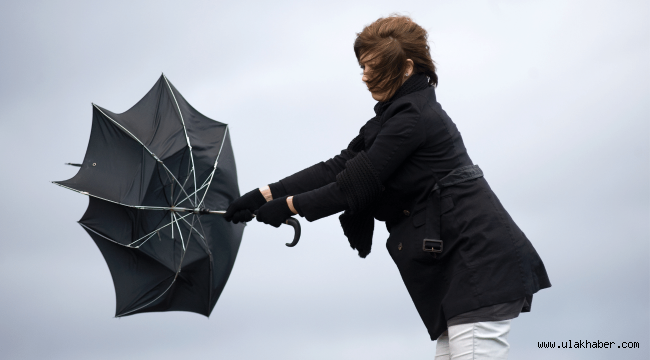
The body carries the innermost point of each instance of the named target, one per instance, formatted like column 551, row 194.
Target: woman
column 467, row 266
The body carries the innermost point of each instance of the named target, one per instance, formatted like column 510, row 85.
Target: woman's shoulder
column 417, row 103
column 421, row 99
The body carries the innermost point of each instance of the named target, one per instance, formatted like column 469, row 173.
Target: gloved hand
column 274, row 212
column 241, row 210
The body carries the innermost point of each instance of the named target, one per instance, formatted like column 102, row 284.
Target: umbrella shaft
column 199, row 211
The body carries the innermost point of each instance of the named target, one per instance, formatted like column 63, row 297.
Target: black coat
column 486, row 258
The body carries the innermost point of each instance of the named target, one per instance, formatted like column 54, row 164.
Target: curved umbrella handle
column 296, row 226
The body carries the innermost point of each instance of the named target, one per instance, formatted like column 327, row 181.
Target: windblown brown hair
column 389, row 42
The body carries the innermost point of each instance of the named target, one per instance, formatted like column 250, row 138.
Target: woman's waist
column 393, row 212
column 395, row 206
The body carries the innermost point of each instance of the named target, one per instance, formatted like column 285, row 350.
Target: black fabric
column 359, row 181
column 274, row 212
column 416, row 82
column 435, row 205
column 497, row 312
column 144, row 249
column 457, row 176
column 412, row 144
column 362, row 187
column 358, row 143
column 277, row 190
column 241, row 210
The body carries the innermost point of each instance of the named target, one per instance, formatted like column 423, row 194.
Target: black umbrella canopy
column 147, row 173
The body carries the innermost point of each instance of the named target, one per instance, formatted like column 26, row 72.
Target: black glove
column 241, row 210
column 274, row 212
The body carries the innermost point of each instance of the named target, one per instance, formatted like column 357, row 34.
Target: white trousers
column 475, row 341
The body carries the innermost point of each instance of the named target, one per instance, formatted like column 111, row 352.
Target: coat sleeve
column 400, row 136
column 311, row 178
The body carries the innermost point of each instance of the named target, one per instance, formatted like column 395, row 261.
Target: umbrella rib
column 144, row 242
column 146, row 148
column 192, row 228
column 171, row 185
column 105, row 237
column 201, row 224
column 202, row 236
column 140, row 207
column 214, row 168
column 170, row 285
column 187, row 138
column 130, row 245
column 180, row 233
column 208, row 180
column 199, row 189
column 152, row 301
column 185, row 182
column 169, row 199
column 151, row 234
column 189, row 236
column 207, row 248
column 198, row 218
column 175, row 276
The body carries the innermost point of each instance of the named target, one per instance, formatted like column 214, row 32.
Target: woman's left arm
column 402, row 134
column 399, row 137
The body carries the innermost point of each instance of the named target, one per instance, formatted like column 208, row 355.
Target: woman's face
column 367, row 62
column 367, row 67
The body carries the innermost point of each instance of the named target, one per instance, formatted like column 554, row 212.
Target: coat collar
column 415, row 83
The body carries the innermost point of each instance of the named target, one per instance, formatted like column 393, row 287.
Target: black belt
column 456, row 176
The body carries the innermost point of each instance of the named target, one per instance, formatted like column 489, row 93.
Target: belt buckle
column 431, row 245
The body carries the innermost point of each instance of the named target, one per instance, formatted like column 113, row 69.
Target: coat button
column 407, row 213
column 399, row 246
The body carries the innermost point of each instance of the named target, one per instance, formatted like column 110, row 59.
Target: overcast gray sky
column 552, row 99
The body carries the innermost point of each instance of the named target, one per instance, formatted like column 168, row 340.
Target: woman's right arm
column 311, row 178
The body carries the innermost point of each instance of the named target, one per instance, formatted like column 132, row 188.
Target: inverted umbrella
column 156, row 175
